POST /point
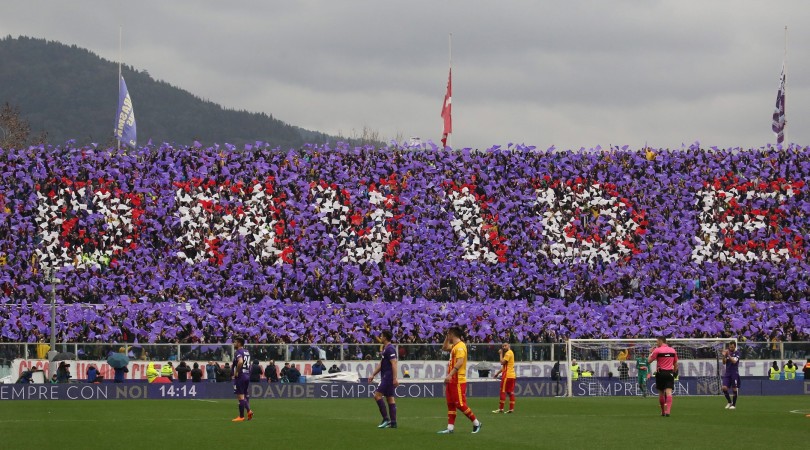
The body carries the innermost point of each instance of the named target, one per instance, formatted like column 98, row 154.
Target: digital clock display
column 168, row 391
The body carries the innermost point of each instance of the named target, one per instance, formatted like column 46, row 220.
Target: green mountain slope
column 71, row 93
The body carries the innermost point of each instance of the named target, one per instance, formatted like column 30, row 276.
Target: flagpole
column 450, row 59
column 120, row 38
column 785, row 94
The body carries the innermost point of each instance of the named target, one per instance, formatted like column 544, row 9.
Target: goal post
column 699, row 359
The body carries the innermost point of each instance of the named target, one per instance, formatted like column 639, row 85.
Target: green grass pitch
column 593, row 423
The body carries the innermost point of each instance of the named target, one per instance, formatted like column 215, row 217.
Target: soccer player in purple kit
column 731, row 377
column 387, row 368
column 241, row 378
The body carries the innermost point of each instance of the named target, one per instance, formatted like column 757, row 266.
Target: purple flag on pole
column 778, row 126
column 125, row 130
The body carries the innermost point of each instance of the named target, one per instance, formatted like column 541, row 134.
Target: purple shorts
column 732, row 381
column 242, row 386
column 386, row 388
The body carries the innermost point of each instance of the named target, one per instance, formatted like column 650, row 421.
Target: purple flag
column 778, row 126
column 125, row 130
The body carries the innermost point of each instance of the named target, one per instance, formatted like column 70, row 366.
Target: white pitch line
column 209, row 401
column 145, row 419
column 545, row 416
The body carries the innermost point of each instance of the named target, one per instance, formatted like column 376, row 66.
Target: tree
column 14, row 130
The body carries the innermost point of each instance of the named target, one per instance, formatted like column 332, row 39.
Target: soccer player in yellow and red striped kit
column 456, row 381
column 508, row 377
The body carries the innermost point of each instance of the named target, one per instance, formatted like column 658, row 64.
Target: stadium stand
column 331, row 244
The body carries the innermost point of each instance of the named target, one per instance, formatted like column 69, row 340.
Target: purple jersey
column 245, row 355
column 389, row 354
column 732, row 367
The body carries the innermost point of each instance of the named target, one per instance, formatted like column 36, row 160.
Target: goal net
column 610, row 367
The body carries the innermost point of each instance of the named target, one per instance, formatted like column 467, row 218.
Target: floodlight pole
column 450, row 64
column 120, row 39
column 53, row 314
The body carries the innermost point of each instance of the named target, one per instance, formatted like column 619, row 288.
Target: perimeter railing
column 778, row 351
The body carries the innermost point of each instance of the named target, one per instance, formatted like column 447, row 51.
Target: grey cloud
column 570, row 73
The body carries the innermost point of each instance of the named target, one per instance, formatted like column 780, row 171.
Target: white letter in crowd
column 361, row 237
column 85, row 224
column 211, row 214
column 745, row 222
column 587, row 223
column 475, row 226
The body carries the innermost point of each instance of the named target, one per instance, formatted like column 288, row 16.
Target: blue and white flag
column 125, row 129
column 778, row 126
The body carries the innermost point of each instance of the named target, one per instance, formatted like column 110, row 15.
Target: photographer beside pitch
column 667, row 359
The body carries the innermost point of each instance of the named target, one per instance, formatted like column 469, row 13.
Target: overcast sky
column 565, row 73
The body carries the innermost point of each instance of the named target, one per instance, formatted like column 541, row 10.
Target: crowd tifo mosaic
column 332, row 244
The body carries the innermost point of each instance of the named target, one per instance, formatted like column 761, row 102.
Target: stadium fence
column 781, row 351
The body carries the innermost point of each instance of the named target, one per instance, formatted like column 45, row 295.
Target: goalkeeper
column 643, row 368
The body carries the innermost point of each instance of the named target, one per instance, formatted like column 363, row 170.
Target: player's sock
column 392, row 411
column 503, row 400
column 476, row 422
column 247, row 404
column 728, row 397
column 468, row 412
column 512, row 401
column 451, row 419
column 450, row 426
column 241, row 408
column 662, row 400
column 734, row 400
column 669, row 404
column 383, row 410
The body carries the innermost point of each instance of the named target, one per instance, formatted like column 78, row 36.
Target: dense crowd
column 320, row 244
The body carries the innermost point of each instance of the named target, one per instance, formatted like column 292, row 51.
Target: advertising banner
column 418, row 370
column 220, row 391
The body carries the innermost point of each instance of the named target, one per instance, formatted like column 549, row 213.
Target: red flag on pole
column 446, row 109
